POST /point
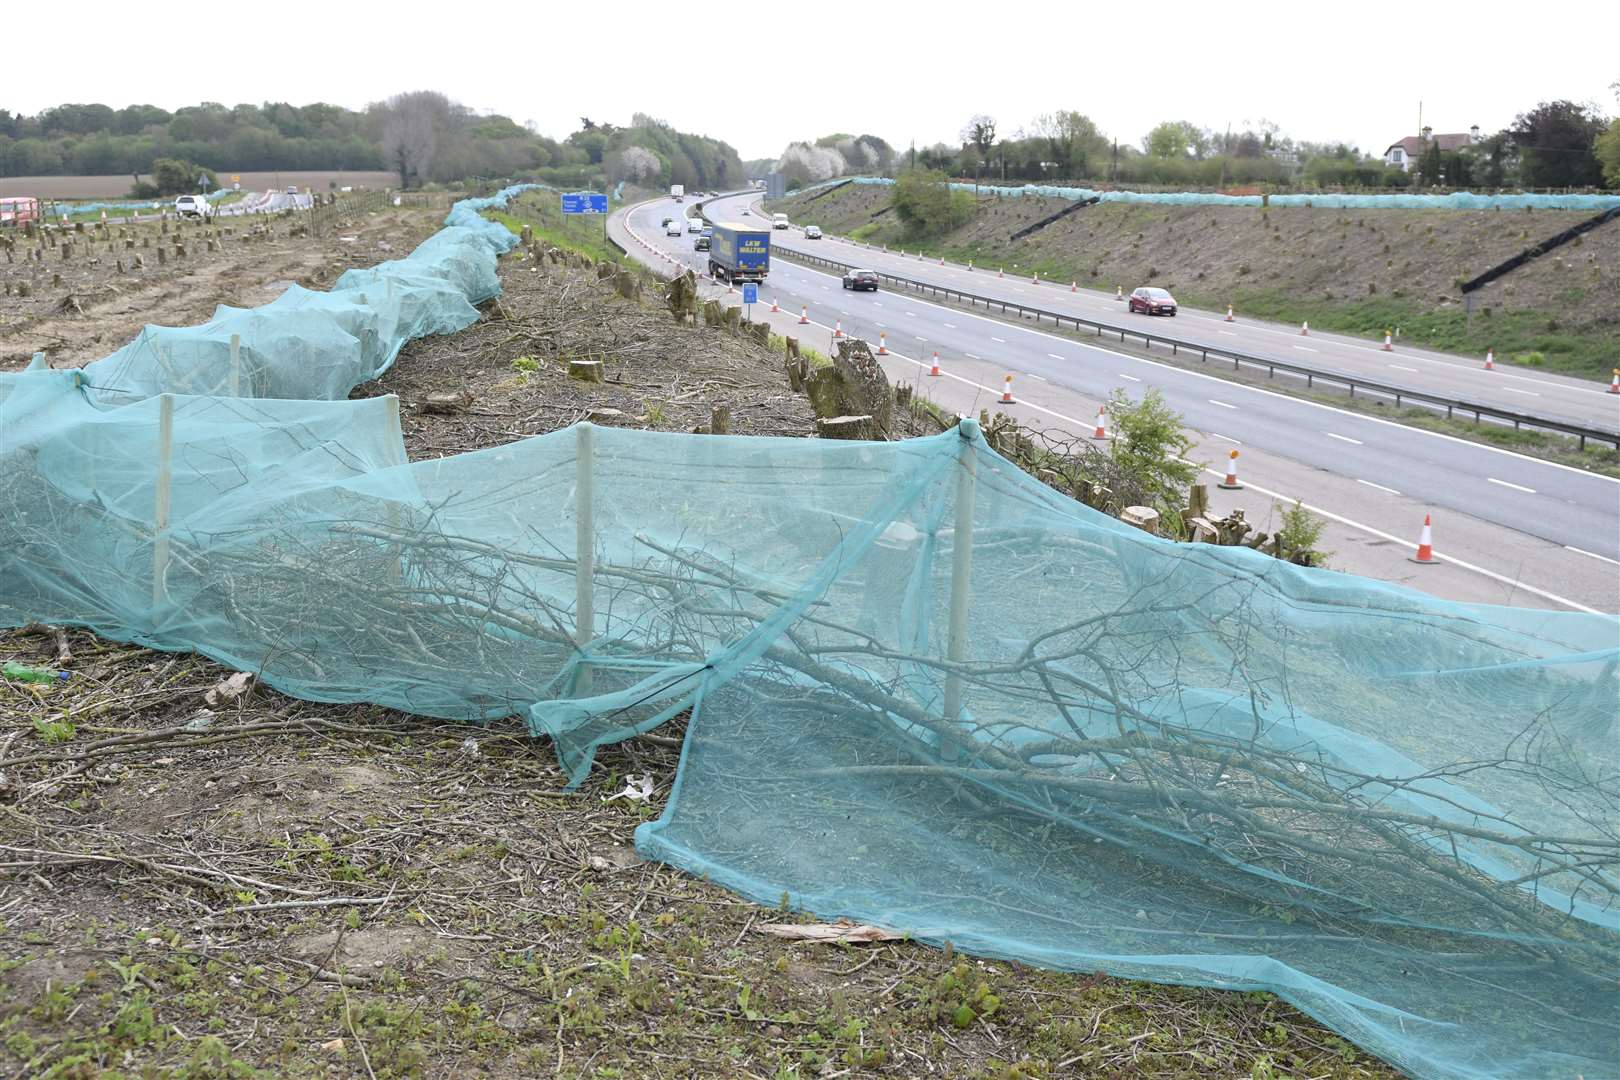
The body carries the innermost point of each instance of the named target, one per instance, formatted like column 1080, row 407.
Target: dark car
column 1153, row 302
column 700, row 243
column 861, row 279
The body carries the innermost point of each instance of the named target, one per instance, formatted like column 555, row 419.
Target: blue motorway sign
column 584, row 202
column 750, row 293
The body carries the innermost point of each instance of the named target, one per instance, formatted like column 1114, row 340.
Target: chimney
column 1426, row 132
column 1473, row 134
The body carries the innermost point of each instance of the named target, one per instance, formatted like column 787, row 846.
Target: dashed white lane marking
column 876, row 304
column 1402, row 367
column 911, row 314
column 1515, row 487
column 1222, row 404
column 1226, row 438
column 1229, row 333
column 1055, row 356
column 1032, row 375
column 1515, row 390
column 970, row 356
column 949, row 326
column 1380, row 487
column 999, row 341
column 1133, row 378
column 1344, row 438
column 1591, row 554
column 846, row 314
column 1306, row 348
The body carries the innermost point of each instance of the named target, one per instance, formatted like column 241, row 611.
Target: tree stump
column 798, row 368
column 140, row 263
column 66, row 251
column 56, row 281
column 1143, row 517
column 447, row 401
column 604, row 271
column 588, row 371
column 24, row 289
column 845, row 427
column 627, row 286
column 163, row 257
column 720, row 420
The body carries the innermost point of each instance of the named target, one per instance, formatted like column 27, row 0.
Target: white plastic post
column 236, row 365
column 584, row 552
column 160, row 500
column 961, row 577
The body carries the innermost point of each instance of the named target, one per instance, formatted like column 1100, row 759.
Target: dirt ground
column 270, row 887
column 99, row 307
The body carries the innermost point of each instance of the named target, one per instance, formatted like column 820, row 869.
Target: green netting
column 925, row 690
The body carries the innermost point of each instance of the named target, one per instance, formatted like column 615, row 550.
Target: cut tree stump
column 845, row 427
column 1143, row 517
column 720, row 420
column 447, row 401
column 590, row 371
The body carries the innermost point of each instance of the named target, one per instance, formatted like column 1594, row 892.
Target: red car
column 1153, row 302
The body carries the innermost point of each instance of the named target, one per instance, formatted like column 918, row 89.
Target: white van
column 779, row 221
column 193, row 206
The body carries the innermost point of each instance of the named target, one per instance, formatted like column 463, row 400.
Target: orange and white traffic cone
column 1074, row 286
column 883, row 344
column 838, row 328
column 934, row 370
column 1119, row 292
column 1425, row 551
column 999, row 273
column 1490, row 359
column 1229, row 317
column 970, row 265
column 774, row 308
column 1388, row 347
column 1304, row 329
column 1231, row 481
column 1036, row 280
column 942, row 260
column 1614, row 384
column 1102, row 423
column 1006, row 392
column 804, row 315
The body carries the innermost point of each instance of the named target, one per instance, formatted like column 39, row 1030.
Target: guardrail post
column 236, row 365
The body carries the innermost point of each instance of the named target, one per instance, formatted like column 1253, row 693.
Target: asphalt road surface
column 1512, row 529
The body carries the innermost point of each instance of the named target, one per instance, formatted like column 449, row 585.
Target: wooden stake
column 160, row 502
column 584, row 552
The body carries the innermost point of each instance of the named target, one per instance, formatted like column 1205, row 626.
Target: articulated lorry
column 677, row 192
column 739, row 253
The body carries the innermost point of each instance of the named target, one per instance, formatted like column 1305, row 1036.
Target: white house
column 1404, row 155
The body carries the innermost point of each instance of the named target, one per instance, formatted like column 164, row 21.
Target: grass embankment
column 1351, row 271
column 542, row 212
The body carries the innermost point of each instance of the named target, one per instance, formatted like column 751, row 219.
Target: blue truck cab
column 739, row 253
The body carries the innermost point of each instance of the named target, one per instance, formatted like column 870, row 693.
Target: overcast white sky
column 902, row 71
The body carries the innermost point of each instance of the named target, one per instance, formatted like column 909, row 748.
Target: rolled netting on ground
column 925, row 690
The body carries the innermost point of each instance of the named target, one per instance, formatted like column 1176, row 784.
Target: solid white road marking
column 1133, row 378
column 1593, row 554
column 1515, row 487
column 1344, row 438
column 1306, row 348
column 1380, row 487
column 1222, row 404
column 1402, row 367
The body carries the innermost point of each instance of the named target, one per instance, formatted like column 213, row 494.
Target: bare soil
column 98, row 307
column 275, row 887
column 117, row 187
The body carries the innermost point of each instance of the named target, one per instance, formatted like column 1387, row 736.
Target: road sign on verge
column 584, row 202
column 750, row 293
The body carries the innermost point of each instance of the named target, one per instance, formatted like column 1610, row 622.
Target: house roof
column 1414, row 147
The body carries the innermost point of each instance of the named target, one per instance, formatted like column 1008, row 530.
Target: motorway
column 1510, row 529
column 1520, row 390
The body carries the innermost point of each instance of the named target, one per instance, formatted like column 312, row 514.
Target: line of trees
column 423, row 136
column 1556, row 144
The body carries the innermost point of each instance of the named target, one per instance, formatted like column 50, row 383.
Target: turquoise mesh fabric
column 1456, row 200
column 923, row 689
